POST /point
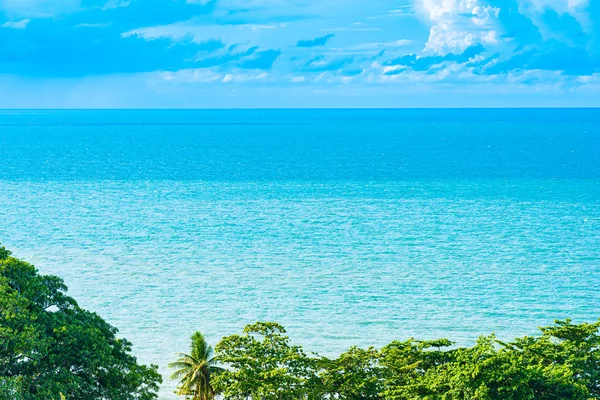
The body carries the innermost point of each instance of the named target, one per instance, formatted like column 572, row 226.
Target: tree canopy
column 50, row 347
column 262, row 365
column 563, row 362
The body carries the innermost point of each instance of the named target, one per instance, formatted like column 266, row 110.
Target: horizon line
column 298, row 108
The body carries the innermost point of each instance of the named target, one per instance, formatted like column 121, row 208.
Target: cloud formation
column 513, row 35
column 466, row 43
column 22, row 24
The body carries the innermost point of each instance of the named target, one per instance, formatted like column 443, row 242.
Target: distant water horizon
column 348, row 226
column 324, row 108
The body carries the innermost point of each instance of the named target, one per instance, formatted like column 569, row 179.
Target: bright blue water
column 349, row 227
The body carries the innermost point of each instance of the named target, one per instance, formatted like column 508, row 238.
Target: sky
column 299, row 53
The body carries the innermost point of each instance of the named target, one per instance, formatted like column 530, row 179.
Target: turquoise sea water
column 348, row 227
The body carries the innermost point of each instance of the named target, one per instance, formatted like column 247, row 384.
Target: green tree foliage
column 195, row 370
column 50, row 346
column 262, row 364
column 561, row 363
column 354, row 375
column 485, row 371
column 10, row 389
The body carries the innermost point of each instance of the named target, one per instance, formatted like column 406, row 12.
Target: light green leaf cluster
column 563, row 362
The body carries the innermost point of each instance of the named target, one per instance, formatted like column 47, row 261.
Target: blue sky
column 299, row 53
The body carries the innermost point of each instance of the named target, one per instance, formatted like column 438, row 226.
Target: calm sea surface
column 348, row 227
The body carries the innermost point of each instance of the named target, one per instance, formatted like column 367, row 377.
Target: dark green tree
column 404, row 365
column 354, row 375
column 50, row 346
column 195, row 370
column 490, row 370
column 262, row 364
column 561, row 363
column 573, row 346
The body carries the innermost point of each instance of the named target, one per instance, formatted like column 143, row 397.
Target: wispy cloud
column 261, row 60
column 88, row 25
column 22, row 24
column 303, row 42
column 383, row 45
column 401, row 11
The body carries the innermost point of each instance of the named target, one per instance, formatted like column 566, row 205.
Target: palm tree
column 195, row 370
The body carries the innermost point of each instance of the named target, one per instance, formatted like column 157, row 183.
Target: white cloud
column 392, row 68
column 242, row 76
column 257, row 27
column 87, row 25
column 458, row 24
column 535, row 9
column 383, row 45
column 22, row 24
column 401, row 11
column 208, row 76
column 561, row 6
column 192, row 75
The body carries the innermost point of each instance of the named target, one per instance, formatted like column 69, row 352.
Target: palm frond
column 179, row 374
column 195, row 369
column 180, row 364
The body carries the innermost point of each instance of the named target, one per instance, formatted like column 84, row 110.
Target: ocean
column 349, row 227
